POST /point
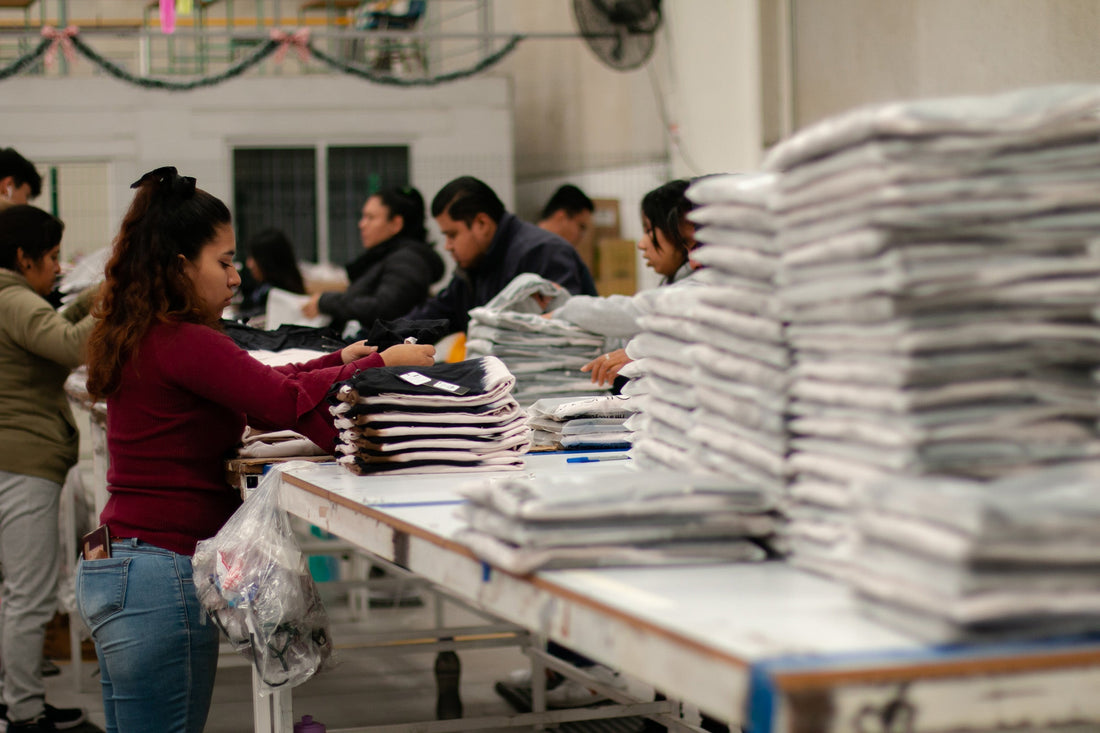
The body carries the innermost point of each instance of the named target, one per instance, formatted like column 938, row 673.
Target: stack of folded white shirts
column 661, row 382
column 951, row 559
column 544, row 354
column 939, row 278
column 439, row 419
column 574, row 423
column 739, row 366
column 616, row 518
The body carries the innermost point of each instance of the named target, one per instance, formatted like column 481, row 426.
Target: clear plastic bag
column 253, row 582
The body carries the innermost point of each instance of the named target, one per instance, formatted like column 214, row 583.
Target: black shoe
column 49, row 669
column 65, row 718
column 41, row 724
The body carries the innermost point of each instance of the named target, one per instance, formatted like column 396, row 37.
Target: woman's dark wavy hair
column 146, row 281
column 666, row 208
column 30, row 229
column 274, row 255
column 406, row 202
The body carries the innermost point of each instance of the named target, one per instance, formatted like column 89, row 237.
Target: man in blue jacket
column 490, row 247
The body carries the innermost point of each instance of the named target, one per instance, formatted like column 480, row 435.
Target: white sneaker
column 522, row 678
column 573, row 694
column 519, row 677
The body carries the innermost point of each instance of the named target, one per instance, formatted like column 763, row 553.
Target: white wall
column 851, row 52
column 573, row 112
column 696, row 103
column 712, row 85
column 452, row 130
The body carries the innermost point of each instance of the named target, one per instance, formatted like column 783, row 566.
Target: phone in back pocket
column 97, row 543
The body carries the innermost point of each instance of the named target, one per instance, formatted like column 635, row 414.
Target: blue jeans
column 158, row 652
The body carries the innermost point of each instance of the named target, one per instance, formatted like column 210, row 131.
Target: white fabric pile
column 661, row 382
column 445, row 418
column 950, row 559
column 739, row 365
column 572, row 423
column 526, row 523
column 940, row 281
column 544, row 354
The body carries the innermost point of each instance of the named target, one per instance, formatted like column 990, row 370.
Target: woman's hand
column 358, row 350
column 543, row 300
column 312, row 309
column 409, row 355
column 605, row 368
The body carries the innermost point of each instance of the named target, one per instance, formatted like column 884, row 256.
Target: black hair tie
column 168, row 180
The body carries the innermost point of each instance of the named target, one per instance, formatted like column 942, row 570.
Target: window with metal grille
column 280, row 188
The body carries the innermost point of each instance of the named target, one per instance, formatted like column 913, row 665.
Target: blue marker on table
column 597, row 459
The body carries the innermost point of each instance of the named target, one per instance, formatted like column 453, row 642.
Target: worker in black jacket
column 490, row 247
column 397, row 269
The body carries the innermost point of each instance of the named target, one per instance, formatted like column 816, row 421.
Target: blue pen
column 596, row 459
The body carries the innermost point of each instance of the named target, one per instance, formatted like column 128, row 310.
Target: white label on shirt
column 415, row 378
column 447, row 386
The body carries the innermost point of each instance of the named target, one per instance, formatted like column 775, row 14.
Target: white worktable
column 761, row 645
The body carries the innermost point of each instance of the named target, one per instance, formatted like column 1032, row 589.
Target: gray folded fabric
column 544, row 354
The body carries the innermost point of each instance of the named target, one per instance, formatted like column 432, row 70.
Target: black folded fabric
column 286, row 336
column 385, row 334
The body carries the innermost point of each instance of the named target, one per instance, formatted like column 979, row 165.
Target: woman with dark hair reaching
column 396, row 271
column 271, row 263
column 666, row 244
column 179, row 392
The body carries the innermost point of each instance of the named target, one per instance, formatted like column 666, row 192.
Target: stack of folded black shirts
column 544, row 354
column 577, row 423
column 739, row 367
column 951, row 559
column 438, row 419
column 940, row 274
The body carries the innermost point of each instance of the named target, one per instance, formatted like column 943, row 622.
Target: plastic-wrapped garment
column 751, row 191
column 967, row 123
column 568, row 408
column 252, row 580
column 566, row 498
column 518, row 295
column 949, row 558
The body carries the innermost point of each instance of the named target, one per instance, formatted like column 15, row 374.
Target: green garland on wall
column 261, row 53
column 150, row 82
column 377, row 78
column 25, row 62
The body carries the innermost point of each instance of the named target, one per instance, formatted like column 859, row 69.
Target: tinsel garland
column 258, row 55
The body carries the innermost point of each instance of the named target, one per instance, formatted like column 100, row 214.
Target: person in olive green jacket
column 38, row 445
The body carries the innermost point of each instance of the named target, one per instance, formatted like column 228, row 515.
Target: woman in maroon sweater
column 179, row 393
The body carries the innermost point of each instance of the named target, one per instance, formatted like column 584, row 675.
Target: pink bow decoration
column 62, row 38
column 298, row 40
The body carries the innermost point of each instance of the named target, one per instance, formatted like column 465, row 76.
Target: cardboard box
column 605, row 220
column 616, row 266
column 605, row 225
column 586, row 248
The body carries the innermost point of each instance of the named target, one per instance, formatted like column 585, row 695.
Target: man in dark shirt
column 490, row 247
